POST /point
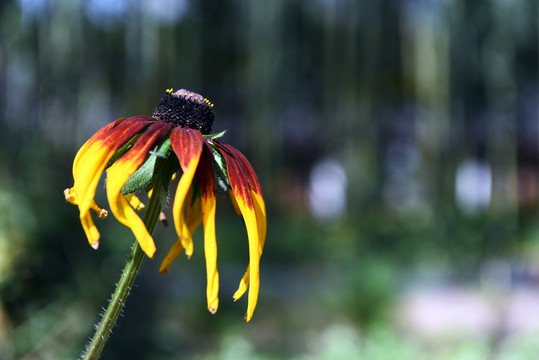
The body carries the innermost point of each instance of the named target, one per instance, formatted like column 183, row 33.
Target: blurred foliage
column 398, row 94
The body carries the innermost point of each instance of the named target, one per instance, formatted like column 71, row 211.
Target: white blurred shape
column 435, row 313
column 522, row 312
column 337, row 341
column 166, row 11
column 236, row 347
column 327, row 190
column 473, row 186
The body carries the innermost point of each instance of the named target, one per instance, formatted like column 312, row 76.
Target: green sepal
column 167, row 170
column 122, row 150
column 215, row 136
column 144, row 174
column 219, row 169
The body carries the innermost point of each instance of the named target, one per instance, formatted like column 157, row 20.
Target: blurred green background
column 397, row 144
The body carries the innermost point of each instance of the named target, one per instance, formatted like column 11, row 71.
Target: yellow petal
column 89, row 163
column 87, row 177
column 99, row 136
column 94, row 155
column 249, row 217
column 244, row 285
column 177, row 211
column 173, row 253
column 260, row 211
column 210, row 251
column 206, row 182
column 121, row 208
column 90, row 229
column 261, row 220
column 243, row 182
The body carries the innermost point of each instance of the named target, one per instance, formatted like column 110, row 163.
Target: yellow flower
column 143, row 152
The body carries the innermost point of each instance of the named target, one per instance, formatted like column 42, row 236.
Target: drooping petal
column 193, row 218
column 91, row 160
column 72, row 198
column 256, row 190
column 260, row 211
column 261, row 219
column 242, row 193
column 245, row 166
column 206, row 182
column 119, row 173
column 111, row 137
column 100, row 135
column 187, row 144
column 173, row 253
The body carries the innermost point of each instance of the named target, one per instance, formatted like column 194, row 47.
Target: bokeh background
column 396, row 141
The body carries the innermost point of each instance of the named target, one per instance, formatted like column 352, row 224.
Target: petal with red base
column 206, row 182
column 119, row 173
column 239, row 183
column 91, row 160
column 187, row 144
column 256, row 191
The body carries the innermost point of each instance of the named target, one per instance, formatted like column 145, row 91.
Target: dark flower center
column 186, row 108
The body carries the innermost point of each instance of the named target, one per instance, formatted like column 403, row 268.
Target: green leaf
column 145, row 174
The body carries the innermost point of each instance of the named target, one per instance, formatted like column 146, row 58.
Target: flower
column 143, row 152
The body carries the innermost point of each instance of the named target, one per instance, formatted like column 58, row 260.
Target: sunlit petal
column 244, row 285
column 173, row 253
column 206, row 182
column 254, row 257
column 260, row 211
column 90, row 230
column 187, row 144
column 98, row 136
column 242, row 193
column 119, row 173
column 92, row 159
column 261, row 219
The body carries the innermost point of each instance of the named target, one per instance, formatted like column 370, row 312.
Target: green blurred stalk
column 104, row 329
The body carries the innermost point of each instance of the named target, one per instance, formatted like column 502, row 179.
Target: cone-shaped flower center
column 186, row 108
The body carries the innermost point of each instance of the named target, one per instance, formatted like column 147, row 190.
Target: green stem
column 127, row 279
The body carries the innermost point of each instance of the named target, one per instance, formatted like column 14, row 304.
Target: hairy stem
column 127, row 279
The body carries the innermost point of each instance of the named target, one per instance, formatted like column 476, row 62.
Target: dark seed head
column 186, row 108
